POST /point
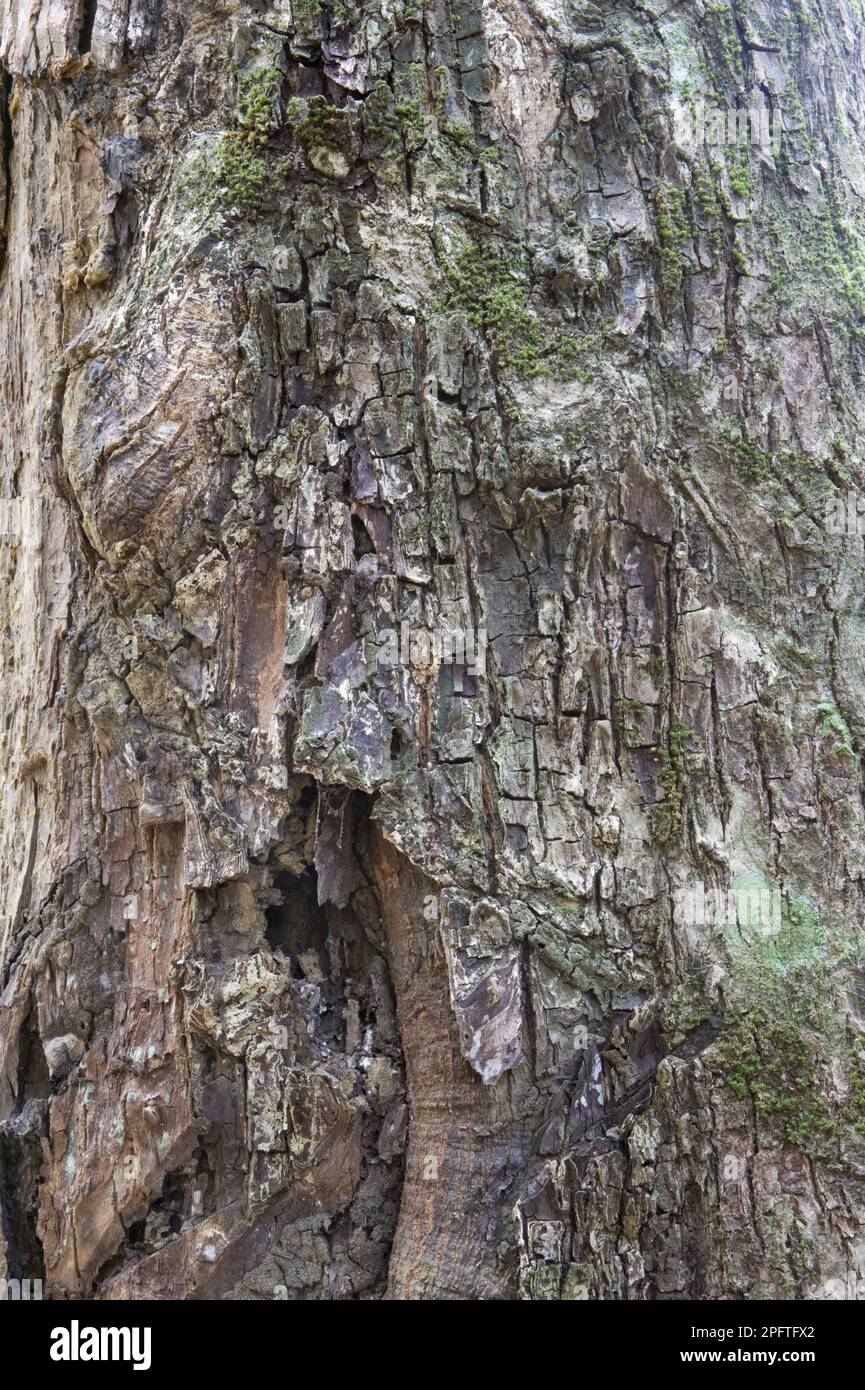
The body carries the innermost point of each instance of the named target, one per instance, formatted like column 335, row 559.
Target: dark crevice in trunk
column 88, row 19
column 183, row 1201
column 296, row 924
column 20, row 1163
column 7, row 139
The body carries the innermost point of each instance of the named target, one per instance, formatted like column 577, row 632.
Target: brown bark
column 431, row 596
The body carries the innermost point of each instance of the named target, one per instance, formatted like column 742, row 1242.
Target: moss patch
column 258, row 102
column 833, row 726
column 817, row 258
column 783, row 1027
column 673, row 235
column 492, row 292
column 241, row 173
column 328, row 134
column 673, row 757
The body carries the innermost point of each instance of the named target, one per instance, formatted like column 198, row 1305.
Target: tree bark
column 433, row 826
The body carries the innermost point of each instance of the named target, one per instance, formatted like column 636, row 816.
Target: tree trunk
column 433, row 829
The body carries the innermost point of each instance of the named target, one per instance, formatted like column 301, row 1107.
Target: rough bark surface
column 339, row 962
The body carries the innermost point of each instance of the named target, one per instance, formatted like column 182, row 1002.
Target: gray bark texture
column 432, row 831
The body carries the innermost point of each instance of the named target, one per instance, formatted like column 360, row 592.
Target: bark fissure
column 431, row 593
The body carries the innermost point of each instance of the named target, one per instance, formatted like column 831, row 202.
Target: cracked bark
column 424, row 612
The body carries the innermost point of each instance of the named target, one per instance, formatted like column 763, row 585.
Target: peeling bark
column 431, row 843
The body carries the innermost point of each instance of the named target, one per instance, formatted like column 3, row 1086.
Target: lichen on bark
column 424, row 613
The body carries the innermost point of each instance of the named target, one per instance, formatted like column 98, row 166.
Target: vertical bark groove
column 431, row 597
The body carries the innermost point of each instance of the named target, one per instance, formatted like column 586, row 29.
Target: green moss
column 541, row 1283
column 378, row 116
column 258, row 101
column 771, row 1060
column 817, row 258
column 673, row 235
column 793, row 653
column 686, row 1008
column 673, row 757
column 630, row 715
column 241, row 174
column 706, row 195
column 411, row 119
column 454, row 132
column 834, row 726
column 838, row 249
column 569, row 356
column 804, row 21
column 493, row 296
column 401, row 119
column 739, row 171
column 485, row 285
column 306, row 15
column 758, row 466
column 722, row 27
column 752, row 463
column 460, row 137
column 327, row 134
column 854, row 1110
column 783, row 1011
column 315, row 120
